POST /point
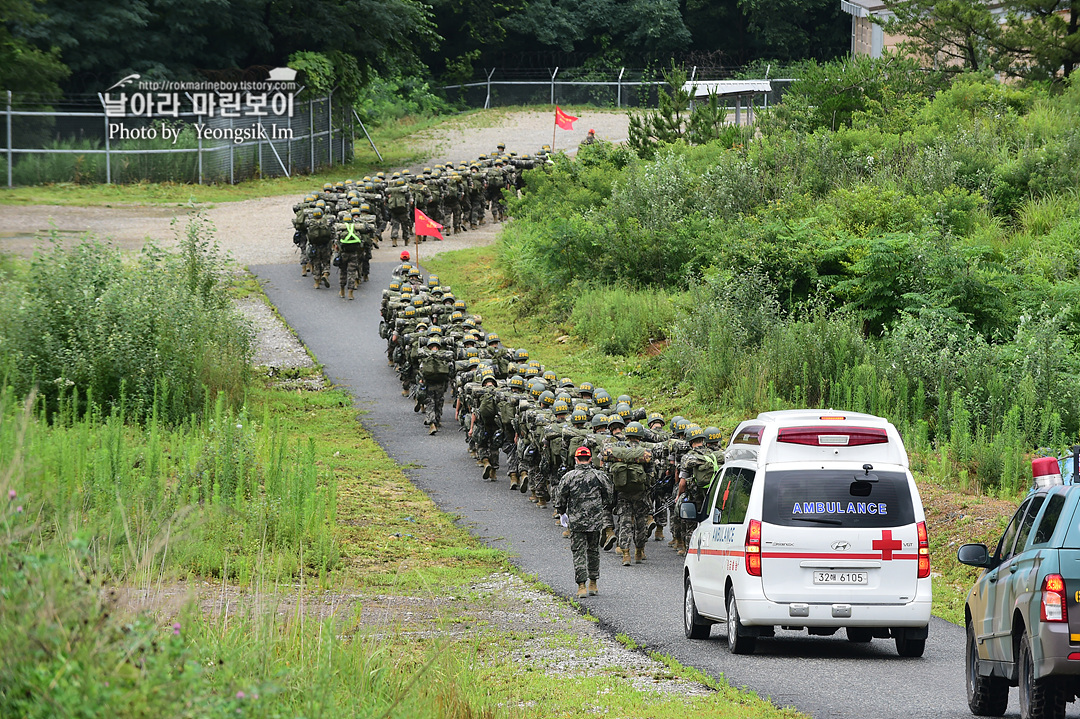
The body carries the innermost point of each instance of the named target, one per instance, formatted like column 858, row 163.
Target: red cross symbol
column 886, row 544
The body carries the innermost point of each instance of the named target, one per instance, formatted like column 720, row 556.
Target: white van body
column 827, row 502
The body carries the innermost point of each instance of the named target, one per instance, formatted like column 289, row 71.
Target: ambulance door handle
column 1012, row 569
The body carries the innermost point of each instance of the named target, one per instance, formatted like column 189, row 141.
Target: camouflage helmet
column 537, row 388
column 434, row 340
column 410, row 312
column 367, row 178
column 421, row 325
column 603, row 399
column 354, row 202
column 625, row 398
column 456, row 317
column 681, row 426
column 694, row 433
column 380, row 174
column 551, row 378
column 436, row 330
column 560, row 407
column 579, row 417
column 365, row 208
column 634, row 429
column 536, row 364
column 414, row 272
column 488, row 375
column 654, row 417
column 460, row 305
column 567, row 383
column 675, row 421
column 713, row 435
column 432, row 281
column 427, row 170
column 531, row 371
column 517, row 382
column 521, row 355
column 474, row 361
column 564, row 397
column 546, row 398
column 339, row 184
column 599, row 420
column 327, row 186
column 418, row 301
column 614, row 420
column 317, row 213
column 395, row 286
column 586, row 388
column 583, row 407
column 623, row 410
column 492, row 338
column 406, row 268
column 320, row 204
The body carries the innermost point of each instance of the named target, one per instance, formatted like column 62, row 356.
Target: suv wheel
column 738, row 642
column 986, row 696
column 693, row 625
column 1039, row 698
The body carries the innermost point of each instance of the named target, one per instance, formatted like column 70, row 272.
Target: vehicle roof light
column 832, row 417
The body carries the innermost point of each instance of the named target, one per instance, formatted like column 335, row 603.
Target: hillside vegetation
column 920, row 261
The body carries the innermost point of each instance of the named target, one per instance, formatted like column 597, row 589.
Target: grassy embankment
column 351, row 594
column 391, row 138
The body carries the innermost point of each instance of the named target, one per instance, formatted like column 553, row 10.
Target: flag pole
column 554, row 127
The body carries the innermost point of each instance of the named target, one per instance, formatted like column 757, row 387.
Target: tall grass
column 156, row 334
column 88, row 166
column 622, row 321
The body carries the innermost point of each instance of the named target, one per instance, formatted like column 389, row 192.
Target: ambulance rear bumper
column 762, row 612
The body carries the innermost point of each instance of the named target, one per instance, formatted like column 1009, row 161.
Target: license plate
column 839, row 577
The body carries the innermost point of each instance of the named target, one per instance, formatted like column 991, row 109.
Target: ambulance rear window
column 832, row 498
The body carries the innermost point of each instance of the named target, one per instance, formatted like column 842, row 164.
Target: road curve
column 821, row 676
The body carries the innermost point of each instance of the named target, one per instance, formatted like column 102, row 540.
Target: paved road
column 822, row 676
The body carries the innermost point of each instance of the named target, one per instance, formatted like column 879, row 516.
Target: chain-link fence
column 77, row 140
column 625, row 87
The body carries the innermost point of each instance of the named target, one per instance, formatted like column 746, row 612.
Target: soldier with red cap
column 586, row 495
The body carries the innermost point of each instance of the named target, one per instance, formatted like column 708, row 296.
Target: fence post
column 330, row 127
column 108, row 154
column 259, row 126
column 553, row 85
column 199, row 121
column 487, row 100
column 10, row 154
column 232, row 161
column 288, row 152
column 311, row 132
column 618, row 101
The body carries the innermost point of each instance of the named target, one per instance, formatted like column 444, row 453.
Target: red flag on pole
column 563, row 120
column 426, row 226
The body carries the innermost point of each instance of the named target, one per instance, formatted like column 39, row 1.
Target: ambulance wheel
column 986, row 696
column 694, row 626
column 739, row 641
column 859, row 635
column 907, row 647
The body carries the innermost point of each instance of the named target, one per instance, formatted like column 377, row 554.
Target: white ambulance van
column 813, row 523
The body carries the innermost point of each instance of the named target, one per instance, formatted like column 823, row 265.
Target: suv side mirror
column 973, row 555
column 688, row 511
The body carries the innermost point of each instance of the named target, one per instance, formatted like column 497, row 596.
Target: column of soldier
column 507, row 404
column 340, row 225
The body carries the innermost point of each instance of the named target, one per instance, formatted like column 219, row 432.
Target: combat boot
column 541, row 503
column 659, row 534
column 524, row 477
column 489, row 471
column 351, row 294
column 680, row 548
column 433, row 429
column 650, row 524
column 581, row 594
column 607, row 539
column 318, row 282
column 393, row 241
column 593, row 591
column 566, row 534
column 307, row 269
column 618, row 550
column 514, row 480
column 326, row 280
column 639, row 555
column 365, row 278
column 341, row 293
column 626, row 558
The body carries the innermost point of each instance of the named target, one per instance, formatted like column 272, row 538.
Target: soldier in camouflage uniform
column 627, row 462
column 585, row 494
column 320, row 235
column 696, row 472
column 349, row 237
column 435, row 365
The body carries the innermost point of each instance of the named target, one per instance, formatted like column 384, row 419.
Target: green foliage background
column 887, row 243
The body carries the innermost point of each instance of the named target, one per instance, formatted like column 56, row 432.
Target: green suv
column 1023, row 618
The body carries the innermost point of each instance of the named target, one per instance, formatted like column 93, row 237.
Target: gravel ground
column 260, row 231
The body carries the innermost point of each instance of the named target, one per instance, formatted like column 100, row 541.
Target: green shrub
column 622, row 322
column 158, row 332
